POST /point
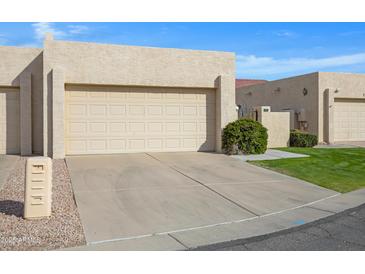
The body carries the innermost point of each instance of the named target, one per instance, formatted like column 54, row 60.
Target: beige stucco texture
column 87, row 98
column 329, row 105
column 9, row 121
column 21, row 68
column 278, row 128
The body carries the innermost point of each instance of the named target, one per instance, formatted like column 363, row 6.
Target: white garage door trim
column 104, row 120
column 349, row 120
column 9, row 121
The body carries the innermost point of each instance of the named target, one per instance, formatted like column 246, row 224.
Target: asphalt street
column 342, row 231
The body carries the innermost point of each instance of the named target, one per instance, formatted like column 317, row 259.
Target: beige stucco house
column 330, row 105
column 84, row 98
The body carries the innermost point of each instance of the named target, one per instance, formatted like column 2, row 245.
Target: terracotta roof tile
column 248, row 82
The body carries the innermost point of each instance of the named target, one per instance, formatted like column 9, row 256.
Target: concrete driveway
column 150, row 200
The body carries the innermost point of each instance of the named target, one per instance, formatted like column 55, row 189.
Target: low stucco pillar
column 225, row 106
column 26, row 113
column 58, row 113
column 328, row 116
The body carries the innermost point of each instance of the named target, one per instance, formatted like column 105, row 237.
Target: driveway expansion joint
column 321, row 209
column 177, row 240
column 207, row 187
column 169, row 233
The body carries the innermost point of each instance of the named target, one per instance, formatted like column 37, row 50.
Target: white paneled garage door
column 349, row 120
column 102, row 120
column 9, row 121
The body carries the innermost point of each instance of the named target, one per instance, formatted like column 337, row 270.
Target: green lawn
column 340, row 169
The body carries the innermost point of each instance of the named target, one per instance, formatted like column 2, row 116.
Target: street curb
column 244, row 241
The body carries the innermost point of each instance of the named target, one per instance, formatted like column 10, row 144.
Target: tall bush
column 244, row 136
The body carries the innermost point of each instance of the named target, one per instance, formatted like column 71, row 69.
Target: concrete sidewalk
column 238, row 229
column 270, row 154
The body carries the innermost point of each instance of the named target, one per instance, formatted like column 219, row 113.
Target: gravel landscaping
column 62, row 229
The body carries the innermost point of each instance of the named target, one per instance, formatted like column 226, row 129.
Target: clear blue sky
column 263, row 50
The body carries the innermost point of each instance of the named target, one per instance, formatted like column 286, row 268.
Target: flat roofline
column 251, row 79
column 20, row 47
column 295, row 76
column 146, row 47
column 317, row 72
column 342, row 73
column 96, row 85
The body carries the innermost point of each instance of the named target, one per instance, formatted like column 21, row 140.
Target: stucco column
column 58, row 104
column 328, row 116
column 225, row 106
column 25, row 113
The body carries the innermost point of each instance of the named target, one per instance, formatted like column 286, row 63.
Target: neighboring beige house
column 84, row 98
column 330, row 105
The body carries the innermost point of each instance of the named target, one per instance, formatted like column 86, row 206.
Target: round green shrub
column 244, row 136
column 302, row 139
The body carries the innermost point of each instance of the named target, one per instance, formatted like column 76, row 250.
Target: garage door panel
column 97, row 110
column 137, row 127
column 154, row 96
column 73, row 110
column 117, row 110
column 139, row 120
column 139, row 95
column 112, row 145
column 117, row 128
column 155, row 110
column 189, row 127
column 137, row 111
column 117, row 145
column 190, row 111
column 349, row 124
column 155, row 144
column 98, row 128
column 155, row 127
column 97, row 145
column 76, row 128
column 172, row 110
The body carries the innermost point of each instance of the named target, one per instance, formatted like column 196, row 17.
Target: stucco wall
column 90, row 63
column 100, row 64
column 13, row 62
column 283, row 94
column 347, row 85
column 278, row 128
